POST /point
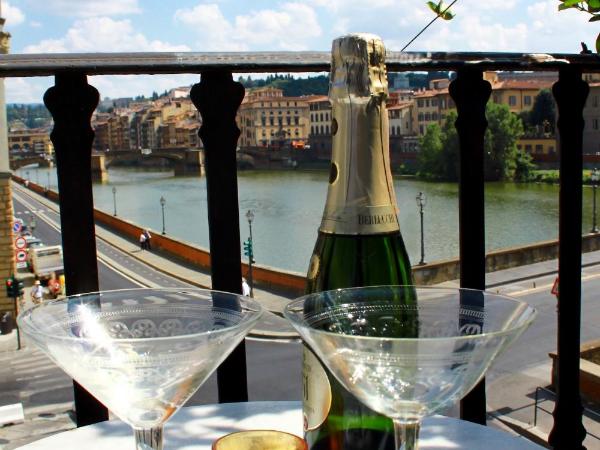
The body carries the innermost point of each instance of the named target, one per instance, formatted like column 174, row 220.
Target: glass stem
column 149, row 438
column 407, row 435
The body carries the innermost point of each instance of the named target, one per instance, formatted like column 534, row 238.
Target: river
column 287, row 206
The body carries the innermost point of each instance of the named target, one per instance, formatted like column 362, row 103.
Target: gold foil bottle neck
column 360, row 198
column 358, row 66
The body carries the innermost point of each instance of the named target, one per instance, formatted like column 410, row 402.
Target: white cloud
column 131, row 85
column 13, row 15
column 102, row 34
column 87, row 8
column 26, row 90
column 258, row 30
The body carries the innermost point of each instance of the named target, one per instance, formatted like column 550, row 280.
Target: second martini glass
column 455, row 334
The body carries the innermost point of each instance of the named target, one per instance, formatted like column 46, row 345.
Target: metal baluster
column 218, row 97
column 471, row 93
column 570, row 92
column 71, row 102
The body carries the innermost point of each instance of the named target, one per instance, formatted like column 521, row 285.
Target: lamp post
column 163, row 202
column 250, row 217
column 114, row 191
column 421, row 202
column 595, row 179
column 48, row 175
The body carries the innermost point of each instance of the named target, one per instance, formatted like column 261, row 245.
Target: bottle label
column 316, row 391
column 360, row 220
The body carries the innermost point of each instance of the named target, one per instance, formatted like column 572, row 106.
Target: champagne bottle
column 359, row 242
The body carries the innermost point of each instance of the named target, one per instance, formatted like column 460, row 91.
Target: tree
column 543, row 113
column 438, row 158
column 523, row 167
column 430, row 158
column 500, row 143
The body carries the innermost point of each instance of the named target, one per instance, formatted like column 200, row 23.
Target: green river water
column 288, row 205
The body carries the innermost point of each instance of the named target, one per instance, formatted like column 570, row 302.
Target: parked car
column 45, row 260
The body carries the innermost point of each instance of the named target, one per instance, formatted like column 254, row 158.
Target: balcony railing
column 72, row 101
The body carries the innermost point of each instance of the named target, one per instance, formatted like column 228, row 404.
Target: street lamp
column 250, row 217
column 114, row 191
column 595, row 179
column 163, row 202
column 421, row 202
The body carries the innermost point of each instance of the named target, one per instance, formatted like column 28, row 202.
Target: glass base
column 407, row 435
column 149, row 439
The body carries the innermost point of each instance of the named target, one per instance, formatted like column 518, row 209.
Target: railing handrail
column 47, row 64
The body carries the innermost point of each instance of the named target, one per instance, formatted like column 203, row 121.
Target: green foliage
column 441, row 10
column 591, row 7
column 500, row 144
column 543, row 113
column 32, row 115
column 438, row 158
column 292, row 87
column 439, row 155
column 524, row 167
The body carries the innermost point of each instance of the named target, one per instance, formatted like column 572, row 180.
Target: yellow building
column 268, row 119
column 537, row 146
column 30, row 140
column 591, row 116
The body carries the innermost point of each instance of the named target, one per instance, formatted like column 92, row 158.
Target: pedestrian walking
column 142, row 241
column 148, row 237
column 245, row 288
column 37, row 292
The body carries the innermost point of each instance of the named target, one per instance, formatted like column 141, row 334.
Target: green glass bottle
column 359, row 242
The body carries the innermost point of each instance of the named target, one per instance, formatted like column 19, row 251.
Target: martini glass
column 141, row 352
column 449, row 338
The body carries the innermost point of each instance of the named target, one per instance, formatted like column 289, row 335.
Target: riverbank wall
column 293, row 283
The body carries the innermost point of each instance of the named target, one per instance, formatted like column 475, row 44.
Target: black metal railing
column 217, row 97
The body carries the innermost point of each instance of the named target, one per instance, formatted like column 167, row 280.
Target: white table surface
column 195, row 428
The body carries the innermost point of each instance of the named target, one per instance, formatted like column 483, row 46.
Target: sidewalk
column 271, row 326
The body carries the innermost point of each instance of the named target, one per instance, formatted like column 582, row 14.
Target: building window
column 289, row 120
column 427, row 103
column 312, row 130
column 421, row 129
column 420, row 103
column 512, row 100
column 539, row 148
column 527, row 100
column 420, row 117
column 595, row 124
column 296, row 120
column 595, row 101
column 528, row 148
column 434, row 102
column 271, row 122
column 322, row 117
column 322, row 132
column 326, row 129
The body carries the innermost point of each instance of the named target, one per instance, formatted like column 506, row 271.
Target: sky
column 44, row 26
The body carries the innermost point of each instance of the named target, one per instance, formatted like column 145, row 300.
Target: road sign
column 22, row 265
column 554, row 290
column 20, row 243
column 17, row 227
column 21, row 255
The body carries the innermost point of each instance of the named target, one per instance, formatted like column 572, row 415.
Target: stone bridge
column 18, row 162
column 185, row 161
